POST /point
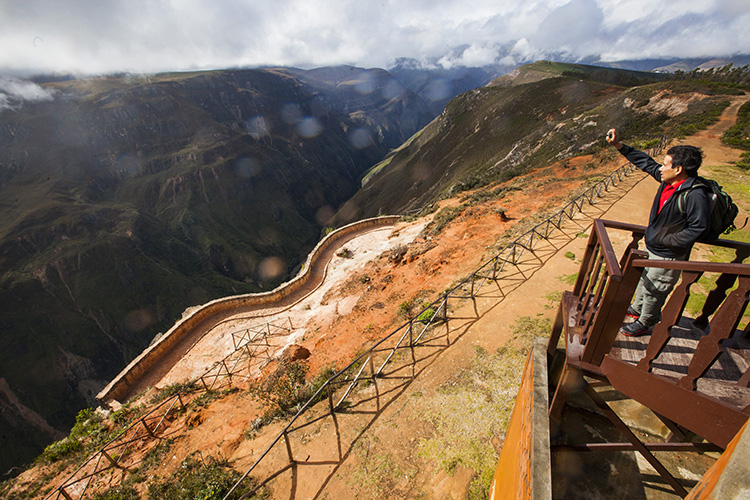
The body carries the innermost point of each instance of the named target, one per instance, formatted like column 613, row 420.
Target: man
column 672, row 229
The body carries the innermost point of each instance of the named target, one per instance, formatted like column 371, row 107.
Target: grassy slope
column 495, row 133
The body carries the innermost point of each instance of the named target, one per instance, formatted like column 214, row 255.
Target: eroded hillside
column 497, row 132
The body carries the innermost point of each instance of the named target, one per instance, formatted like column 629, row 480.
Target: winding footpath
column 236, row 312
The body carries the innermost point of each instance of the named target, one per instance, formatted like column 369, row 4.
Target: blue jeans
column 653, row 289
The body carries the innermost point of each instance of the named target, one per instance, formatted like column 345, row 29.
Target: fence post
column 288, row 447
column 330, row 398
column 229, row 374
column 411, row 346
column 110, row 459
column 148, row 429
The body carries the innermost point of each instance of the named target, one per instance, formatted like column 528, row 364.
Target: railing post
column 611, row 312
column 330, row 398
column 288, row 447
column 110, row 459
column 229, row 374
column 148, row 429
column 586, row 263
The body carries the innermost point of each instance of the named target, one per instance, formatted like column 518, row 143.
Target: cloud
column 575, row 27
column 14, row 91
column 80, row 36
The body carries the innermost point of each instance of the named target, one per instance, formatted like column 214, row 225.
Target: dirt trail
column 211, row 340
column 217, row 342
column 716, row 152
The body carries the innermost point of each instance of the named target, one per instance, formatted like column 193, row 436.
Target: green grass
column 203, row 479
column 442, row 219
column 468, row 411
column 738, row 135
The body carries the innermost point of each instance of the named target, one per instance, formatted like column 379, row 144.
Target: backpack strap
column 698, row 182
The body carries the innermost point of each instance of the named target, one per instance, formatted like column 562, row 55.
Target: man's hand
column 613, row 139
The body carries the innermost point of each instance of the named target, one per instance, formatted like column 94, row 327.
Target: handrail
column 696, row 265
column 610, row 259
column 102, row 451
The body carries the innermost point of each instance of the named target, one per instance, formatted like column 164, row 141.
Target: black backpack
column 723, row 210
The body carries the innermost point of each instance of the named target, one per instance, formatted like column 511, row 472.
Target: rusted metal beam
column 711, row 419
column 637, row 444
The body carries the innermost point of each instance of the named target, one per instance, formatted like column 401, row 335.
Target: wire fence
column 253, row 347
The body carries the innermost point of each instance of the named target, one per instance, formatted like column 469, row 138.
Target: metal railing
column 248, row 344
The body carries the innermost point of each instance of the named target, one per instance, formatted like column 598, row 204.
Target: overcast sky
column 102, row 36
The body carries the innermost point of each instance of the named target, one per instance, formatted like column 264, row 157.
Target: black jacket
column 671, row 233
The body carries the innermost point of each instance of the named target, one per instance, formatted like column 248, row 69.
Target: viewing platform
column 690, row 378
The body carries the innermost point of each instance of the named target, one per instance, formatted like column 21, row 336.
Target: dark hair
column 687, row 157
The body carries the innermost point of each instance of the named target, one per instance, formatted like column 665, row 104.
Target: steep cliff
column 542, row 113
column 124, row 200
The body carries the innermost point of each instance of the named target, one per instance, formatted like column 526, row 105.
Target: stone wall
column 118, row 387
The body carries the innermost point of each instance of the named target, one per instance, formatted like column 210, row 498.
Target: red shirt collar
column 668, row 190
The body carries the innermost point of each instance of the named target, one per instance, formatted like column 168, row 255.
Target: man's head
column 687, row 157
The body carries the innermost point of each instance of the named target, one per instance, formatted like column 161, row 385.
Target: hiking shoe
column 635, row 329
column 631, row 313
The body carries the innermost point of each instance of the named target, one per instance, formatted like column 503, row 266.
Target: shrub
column 285, row 391
column 738, row 135
column 118, row 493
column 61, row 449
column 404, row 309
column 426, row 316
column 171, row 390
column 744, row 162
column 198, row 479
